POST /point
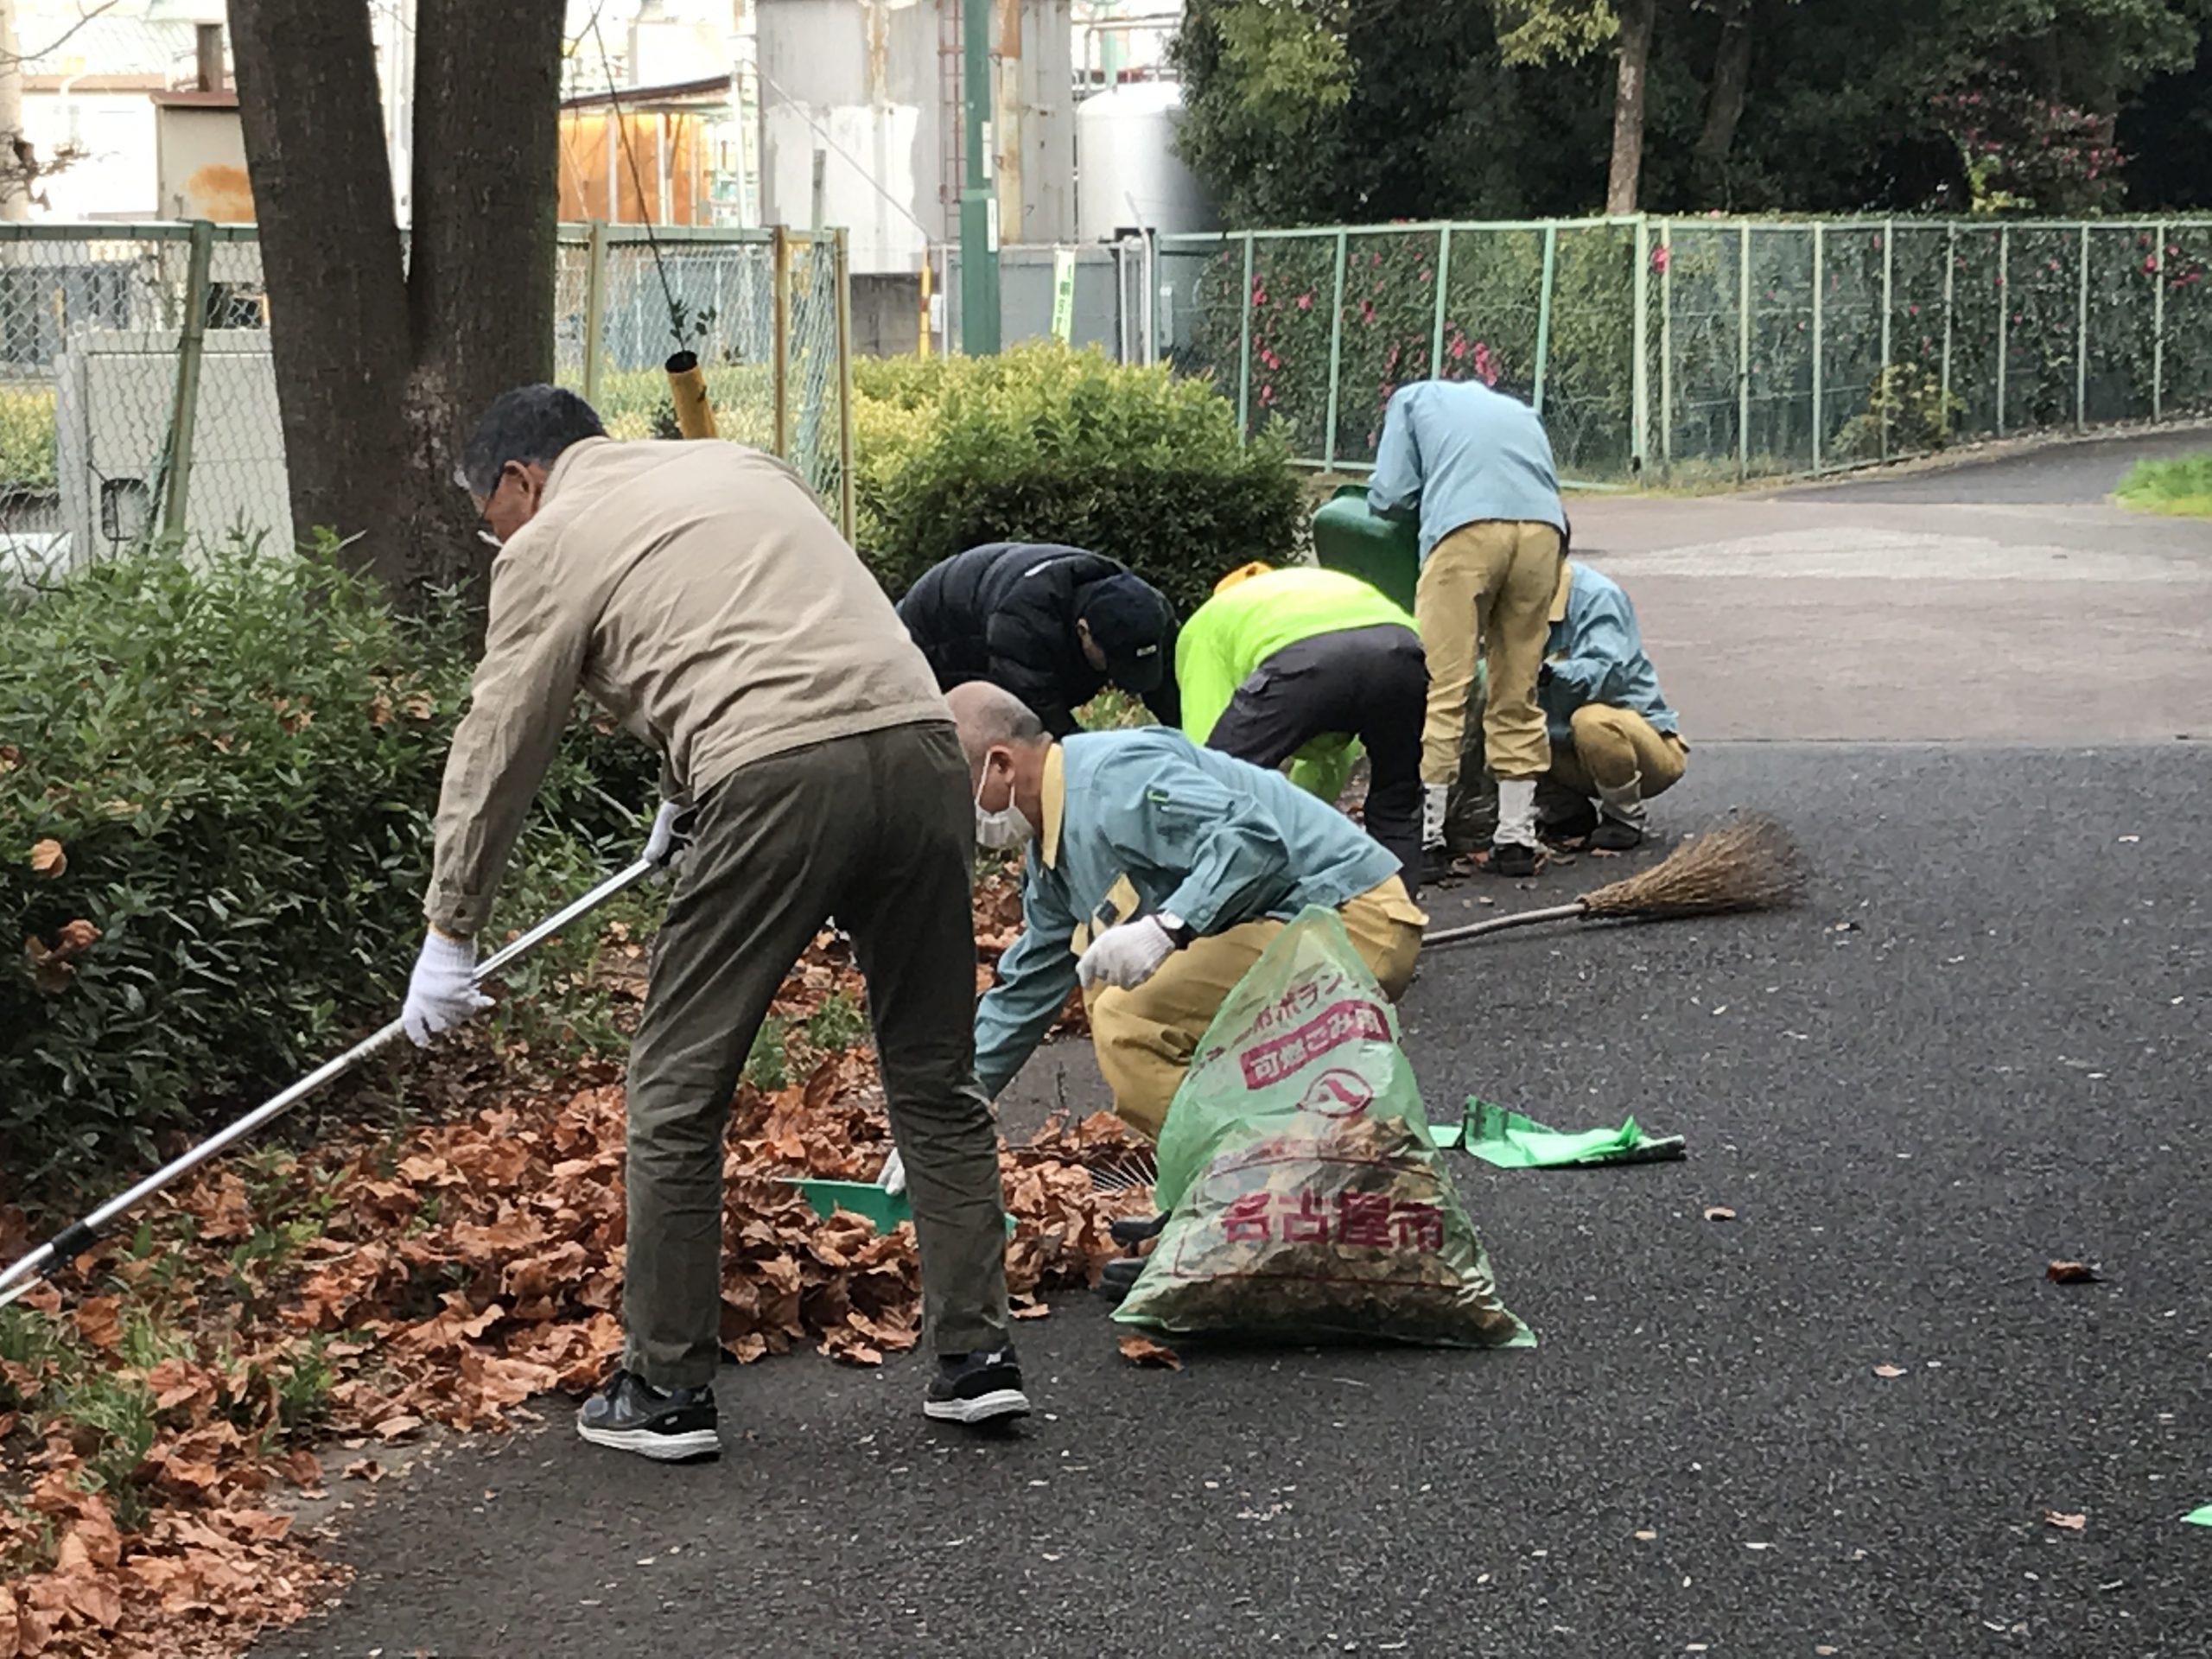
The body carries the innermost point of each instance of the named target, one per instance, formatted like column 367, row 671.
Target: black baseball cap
column 1129, row 620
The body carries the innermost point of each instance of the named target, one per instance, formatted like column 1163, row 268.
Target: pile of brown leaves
column 454, row 1274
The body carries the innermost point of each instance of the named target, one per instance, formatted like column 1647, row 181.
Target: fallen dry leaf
column 1143, row 1351
column 1889, row 1371
column 1647, row 1536
column 2067, row 1522
column 2070, row 1273
column 363, row 1469
column 49, row 859
column 1719, row 1212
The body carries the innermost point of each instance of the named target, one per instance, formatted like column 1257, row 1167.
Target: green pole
column 1820, row 296
column 979, row 239
column 1744, row 353
column 2081, row 339
column 1950, row 289
column 192, row 342
column 1243, row 349
column 2158, row 332
column 1667, row 345
column 1640, row 370
column 594, row 308
column 1888, row 279
column 1443, row 276
column 1544, row 312
column 1336, row 357
column 2004, row 316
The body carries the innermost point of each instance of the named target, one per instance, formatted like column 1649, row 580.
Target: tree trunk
column 1638, row 17
column 384, row 362
column 1732, row 80
column 480, row 267
column 330, row 257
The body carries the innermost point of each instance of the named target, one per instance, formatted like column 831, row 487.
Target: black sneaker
column 671, row 1425
column 1615, row 835
column 977, row 1388
column 1510, row 858
column 1570, row 825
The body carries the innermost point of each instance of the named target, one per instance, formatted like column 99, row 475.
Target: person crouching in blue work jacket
column 1157, row 873
column 1615, row 742
column 1476, row 466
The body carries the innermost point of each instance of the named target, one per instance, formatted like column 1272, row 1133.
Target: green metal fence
column 1684, row 348
column 137, row 393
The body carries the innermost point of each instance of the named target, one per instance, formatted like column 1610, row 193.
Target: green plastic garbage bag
column 1305, row 1200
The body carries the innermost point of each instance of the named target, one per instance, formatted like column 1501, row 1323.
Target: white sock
column 1625, row 804
column 1516, row 812
column 1433, row 799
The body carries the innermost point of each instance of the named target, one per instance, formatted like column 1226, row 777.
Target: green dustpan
column 883, row 1211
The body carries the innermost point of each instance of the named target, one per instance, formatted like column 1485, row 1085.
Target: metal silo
column 1127, row 176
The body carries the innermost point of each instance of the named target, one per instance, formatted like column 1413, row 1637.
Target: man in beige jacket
column 697, row 592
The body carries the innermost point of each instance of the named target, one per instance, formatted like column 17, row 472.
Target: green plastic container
column 1385, row 553
column 864, row 1199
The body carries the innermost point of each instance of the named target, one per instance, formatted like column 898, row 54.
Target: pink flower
column 1367, row 310
column 1259, row 292
column 2150, row 264
column 1305, row 302
column 1270, row 359
column 1458, row 347
column 1660, row 254
column 1912, row 310
column 1266, row 395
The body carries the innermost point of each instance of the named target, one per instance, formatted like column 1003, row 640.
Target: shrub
column 217, row 775
column 1044, row 443
column 26, row 438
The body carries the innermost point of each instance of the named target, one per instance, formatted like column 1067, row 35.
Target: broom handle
column 78, row 1237
column 1499, row 924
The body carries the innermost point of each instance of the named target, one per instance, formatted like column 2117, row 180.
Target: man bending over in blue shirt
column 1157, row 873
column 1615, row 742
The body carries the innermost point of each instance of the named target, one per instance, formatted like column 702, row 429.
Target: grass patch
column 2181, row 487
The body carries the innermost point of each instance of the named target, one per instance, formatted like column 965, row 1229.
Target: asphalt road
column 1981, row 1045
column 1999, row 1062
column 2087, row 470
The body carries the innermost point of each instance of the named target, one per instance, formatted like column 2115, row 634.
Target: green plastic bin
column 1385, row 553
column 864, row 1199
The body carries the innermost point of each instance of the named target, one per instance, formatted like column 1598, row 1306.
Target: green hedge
column 1044, row 443
column 236, row 756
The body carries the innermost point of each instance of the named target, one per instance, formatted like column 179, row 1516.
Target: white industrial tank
column 1127, row 176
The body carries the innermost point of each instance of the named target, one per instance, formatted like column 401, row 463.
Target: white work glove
column 894, row 1179
column 662, row 847
column 442, row 993
column 1127, row 953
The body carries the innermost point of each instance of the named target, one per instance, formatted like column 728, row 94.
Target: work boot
column 981, row 1387
column 1570, row 819
column 1436, row 798
column 1620, row 818
column 1510, row 858
column 1513, row 847
column 667, row 1424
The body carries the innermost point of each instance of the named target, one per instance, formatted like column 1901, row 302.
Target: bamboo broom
column 1746, row 863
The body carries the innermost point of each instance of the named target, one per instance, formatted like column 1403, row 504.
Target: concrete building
column 860, row 122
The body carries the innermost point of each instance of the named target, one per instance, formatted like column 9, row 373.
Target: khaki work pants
column 1613, row 748
column 878, row 830
column 1144, row 1036
column 1488, row 584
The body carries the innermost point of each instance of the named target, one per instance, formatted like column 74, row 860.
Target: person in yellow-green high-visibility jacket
column 1308, row 666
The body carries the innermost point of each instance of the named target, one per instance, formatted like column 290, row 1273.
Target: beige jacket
column 697, row 591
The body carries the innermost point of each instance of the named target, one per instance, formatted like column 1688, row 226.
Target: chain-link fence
column 1689, row 348
column 768, row 313
column 120, row 418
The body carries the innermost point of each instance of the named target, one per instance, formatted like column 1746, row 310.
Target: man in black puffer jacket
column 1052, row 625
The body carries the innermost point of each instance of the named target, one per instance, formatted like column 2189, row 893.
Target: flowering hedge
column 1963, row 292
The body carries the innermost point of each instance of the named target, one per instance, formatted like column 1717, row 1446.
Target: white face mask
column 1004, row 830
